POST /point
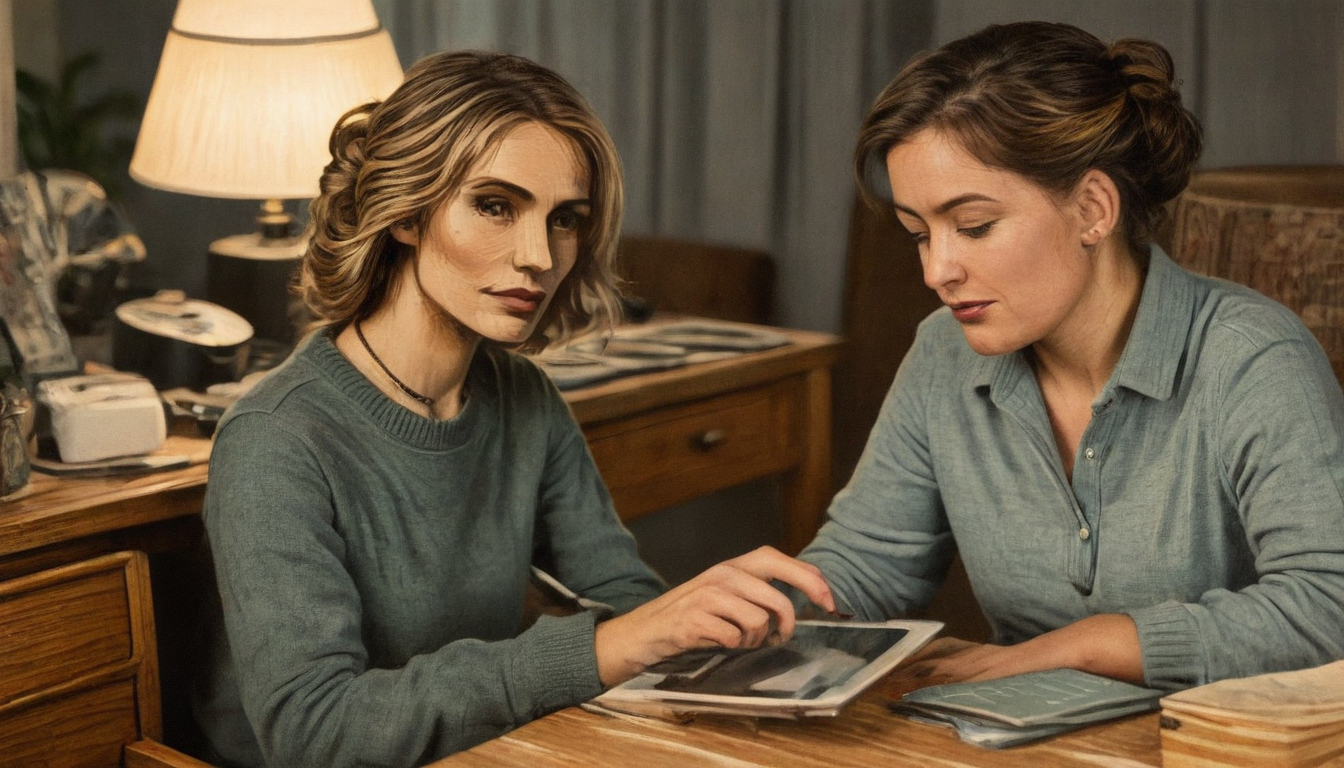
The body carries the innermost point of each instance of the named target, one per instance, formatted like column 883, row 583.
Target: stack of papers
column 637, row 349
column 1286, row 719
column 1015, row 710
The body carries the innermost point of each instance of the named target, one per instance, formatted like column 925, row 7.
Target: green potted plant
column 59, row 130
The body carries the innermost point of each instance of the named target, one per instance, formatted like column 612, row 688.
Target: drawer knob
column 708, row 439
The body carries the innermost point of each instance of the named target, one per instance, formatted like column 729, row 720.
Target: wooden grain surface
column 86, row 729
column 670, row 455
column 63, row 631
column 78, row 665
column 864, row 735
column 51, row 510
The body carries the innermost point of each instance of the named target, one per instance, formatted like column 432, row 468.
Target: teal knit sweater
column 372, row 564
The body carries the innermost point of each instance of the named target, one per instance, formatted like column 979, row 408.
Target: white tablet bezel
column 633, row 692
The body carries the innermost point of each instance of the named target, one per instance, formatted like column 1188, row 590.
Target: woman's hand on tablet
column 731, row 605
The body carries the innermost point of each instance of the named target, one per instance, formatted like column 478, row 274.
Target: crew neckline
column 395, row 418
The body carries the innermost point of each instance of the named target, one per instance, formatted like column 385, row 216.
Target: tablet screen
column 817, row 658
column 821, row 668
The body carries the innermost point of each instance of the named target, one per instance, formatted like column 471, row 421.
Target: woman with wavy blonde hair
column 375, row 504
column 396, row 162
column 1142, row 469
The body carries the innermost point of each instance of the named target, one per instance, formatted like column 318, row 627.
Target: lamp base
column 251, row 275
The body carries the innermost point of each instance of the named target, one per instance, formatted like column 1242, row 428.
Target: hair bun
column 1146, row 68
column 1168, row 133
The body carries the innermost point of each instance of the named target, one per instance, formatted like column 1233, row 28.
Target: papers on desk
column 1023, row 708
column 1285, row 719
column 638, row 349
column 823, row 667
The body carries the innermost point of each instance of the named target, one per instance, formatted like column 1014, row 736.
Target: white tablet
column 823, row 667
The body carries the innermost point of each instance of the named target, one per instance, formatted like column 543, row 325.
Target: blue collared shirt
column 1207, row 497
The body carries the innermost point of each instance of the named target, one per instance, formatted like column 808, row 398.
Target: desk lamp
column 243, row 104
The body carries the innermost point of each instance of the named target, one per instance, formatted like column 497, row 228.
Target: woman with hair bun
column 1142, row 469
column 375, row 504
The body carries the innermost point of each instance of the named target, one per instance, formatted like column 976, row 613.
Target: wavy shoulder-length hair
column 395, row 162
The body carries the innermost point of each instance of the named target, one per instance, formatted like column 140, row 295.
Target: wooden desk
column 659, row 439
column 664, row 438
column 863, row 736
column 53, row 521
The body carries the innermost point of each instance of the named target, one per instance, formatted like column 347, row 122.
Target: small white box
column 103, row 415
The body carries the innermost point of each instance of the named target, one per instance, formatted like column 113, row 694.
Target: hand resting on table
column 1105, row 644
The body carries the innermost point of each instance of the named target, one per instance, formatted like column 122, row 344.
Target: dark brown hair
column 1048, row 102
column 397, row 160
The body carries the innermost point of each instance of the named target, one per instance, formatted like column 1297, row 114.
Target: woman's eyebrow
column 507, row 186
column 970, row 197
column 521, row 192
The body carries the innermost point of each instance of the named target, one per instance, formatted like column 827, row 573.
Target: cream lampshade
column 243, row 104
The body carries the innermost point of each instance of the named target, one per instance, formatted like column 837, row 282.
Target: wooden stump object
column 1277, row 229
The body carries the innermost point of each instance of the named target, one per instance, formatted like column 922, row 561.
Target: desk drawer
column 78, row 678
column 56, row 631
column 675, row 454
column 85, row 728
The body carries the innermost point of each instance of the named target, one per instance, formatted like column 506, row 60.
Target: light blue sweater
column 1207, row 499
column 372, row 565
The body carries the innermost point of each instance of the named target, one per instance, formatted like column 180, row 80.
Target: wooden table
column 56, row 521
column 659, row 439
column 664, row 438
column 864, row 735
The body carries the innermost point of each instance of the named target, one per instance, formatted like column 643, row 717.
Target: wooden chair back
column 702, row 279
column 78, row 668
column 885, row 300
column 1277, row 229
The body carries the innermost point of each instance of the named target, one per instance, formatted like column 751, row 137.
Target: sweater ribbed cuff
column 1173, row 655
column 561, row 661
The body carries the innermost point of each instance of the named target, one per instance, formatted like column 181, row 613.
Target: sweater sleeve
column 577, row 519
column 292, row 614
column 886, row 545
column 1282, row 446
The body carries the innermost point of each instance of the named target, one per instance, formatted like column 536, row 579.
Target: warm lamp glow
column 243, row 106
column 247, row 93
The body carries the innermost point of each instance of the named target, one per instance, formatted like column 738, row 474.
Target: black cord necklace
column 410, row 392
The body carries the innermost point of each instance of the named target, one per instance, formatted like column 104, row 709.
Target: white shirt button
column 1083, row 533
column 1090, row 454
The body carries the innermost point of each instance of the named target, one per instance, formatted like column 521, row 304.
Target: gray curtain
column 1266, row 77
column 735, row 120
